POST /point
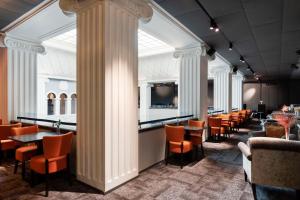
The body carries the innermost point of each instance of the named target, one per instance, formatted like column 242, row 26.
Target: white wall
column 156, row 68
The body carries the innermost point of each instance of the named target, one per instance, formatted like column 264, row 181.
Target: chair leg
column 31, row 178
column 46, row 178
column 69, row 170
column 196, row 148
column 16, row 166
column 167, row 153
column 202, row 150
column 246, row 177
column 23, row 169
column 254, row 190
column 181, row 155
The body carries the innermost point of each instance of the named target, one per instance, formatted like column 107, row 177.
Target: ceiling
column 266, row 33
column 10, row 10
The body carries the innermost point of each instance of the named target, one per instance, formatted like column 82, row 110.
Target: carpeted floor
column 217, row 176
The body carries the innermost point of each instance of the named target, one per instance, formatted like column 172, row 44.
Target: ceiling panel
column 265, row 32
column 10, row 10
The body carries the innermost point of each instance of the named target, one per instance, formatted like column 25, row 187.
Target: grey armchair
column 272, row 162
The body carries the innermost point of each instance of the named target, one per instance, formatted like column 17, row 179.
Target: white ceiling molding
column 44, row 24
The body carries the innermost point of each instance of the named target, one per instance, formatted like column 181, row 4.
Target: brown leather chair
column 196, row 136
column 175, row 142
column 5, row 143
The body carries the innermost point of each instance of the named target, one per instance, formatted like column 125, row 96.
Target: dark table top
column 31, row 137
column 193, row 128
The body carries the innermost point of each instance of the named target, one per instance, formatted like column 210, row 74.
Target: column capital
column 15, row 43
column 193, row 51
column 219, row 70
column 139, row 8
column 238, row 75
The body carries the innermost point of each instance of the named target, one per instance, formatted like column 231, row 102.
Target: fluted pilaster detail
column 222, row 88
column 21, row 75
column 107, row 83
column 237, row 91
column 3, row 85
column 193, row 77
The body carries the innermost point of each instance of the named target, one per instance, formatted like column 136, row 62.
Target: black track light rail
column 220, row 31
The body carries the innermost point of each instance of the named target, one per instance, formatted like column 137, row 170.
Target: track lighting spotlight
column 234, row 69
column 214, row 26
column 230, row 46
column 248, row 68
column 242, row 59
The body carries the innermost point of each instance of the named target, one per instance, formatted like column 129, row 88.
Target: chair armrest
column 245, row 150
column 257, row 133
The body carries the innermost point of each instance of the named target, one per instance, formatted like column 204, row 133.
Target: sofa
column 272, row 162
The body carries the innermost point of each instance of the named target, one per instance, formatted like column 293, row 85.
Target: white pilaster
column 68, row 105
column 237, row 90
column 107, row 82
column 193, row 81
column 22, row 76
column 57, row 106
column 42, row 100
column 222, row 88
column 145, row 100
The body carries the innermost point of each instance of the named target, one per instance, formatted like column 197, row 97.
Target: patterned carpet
column 217, row 176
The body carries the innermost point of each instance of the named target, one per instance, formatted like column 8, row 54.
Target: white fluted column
column 222, row 88
column 193, row 81
column 237, row 90
column 107, row 82
column 22, row 76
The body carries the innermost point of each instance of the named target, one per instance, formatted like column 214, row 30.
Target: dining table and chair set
column 43, row 152
column 186, row 138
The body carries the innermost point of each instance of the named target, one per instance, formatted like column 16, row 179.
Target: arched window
column 73, row 103
column 51, row 103
column 63, row 98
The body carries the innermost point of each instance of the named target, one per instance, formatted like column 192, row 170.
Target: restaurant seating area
column 149, row 100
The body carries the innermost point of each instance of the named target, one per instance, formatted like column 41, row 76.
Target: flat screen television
column 164, row 95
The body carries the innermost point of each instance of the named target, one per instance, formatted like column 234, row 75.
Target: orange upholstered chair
column 0, row 121
column 24, row 153
column 196, row 136
column 176, row 143
column 215, row 126
column 235, row 117
column 227, row 123
column 5, row 143
column 56, row 157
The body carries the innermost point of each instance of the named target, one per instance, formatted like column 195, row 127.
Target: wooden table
column 31, row 138
column 193, row 128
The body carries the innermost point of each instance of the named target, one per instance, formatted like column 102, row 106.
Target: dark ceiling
column 11, row 10
column 265, row 32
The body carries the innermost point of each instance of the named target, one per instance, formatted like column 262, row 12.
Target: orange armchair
column 176, row 143
column 196, row 136
column 5, row 143
column 215, row 126
column 56, row 157
column 0, row 121
column 24, row 153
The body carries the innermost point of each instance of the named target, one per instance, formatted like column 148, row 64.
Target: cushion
column 275, row 131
